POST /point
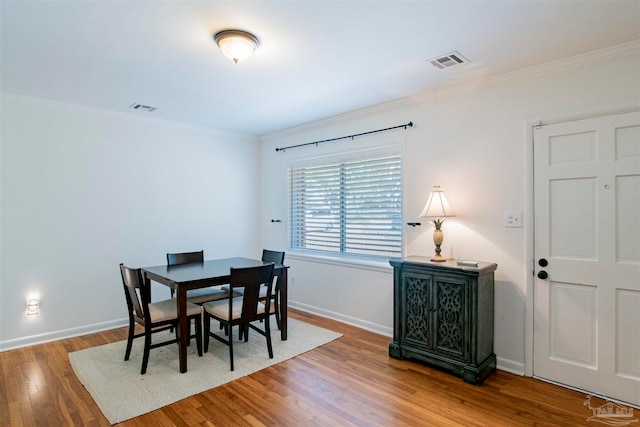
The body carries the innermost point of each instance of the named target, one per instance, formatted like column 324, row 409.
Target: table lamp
column 437, row 207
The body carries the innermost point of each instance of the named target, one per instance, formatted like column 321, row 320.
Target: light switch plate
column 513, row 219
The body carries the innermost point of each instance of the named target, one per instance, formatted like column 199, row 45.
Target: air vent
column 136, row 106
column 448, row 60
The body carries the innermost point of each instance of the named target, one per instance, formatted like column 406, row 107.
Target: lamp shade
column 437, row 205
column 236, row 45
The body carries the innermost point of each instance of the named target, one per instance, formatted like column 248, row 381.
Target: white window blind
column 347, row 207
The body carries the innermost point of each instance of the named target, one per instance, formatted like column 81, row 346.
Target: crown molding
column 536, row 72
column 526, row 74
column 63, row 106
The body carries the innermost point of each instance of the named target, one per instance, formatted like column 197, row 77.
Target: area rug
column 122, row 393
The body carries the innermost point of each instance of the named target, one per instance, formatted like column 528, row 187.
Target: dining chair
column 153, row 316
column 196, row 296
column 276, row 257
column 242, row 310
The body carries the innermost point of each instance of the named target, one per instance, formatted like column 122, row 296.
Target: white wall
column 475, row 142
column 84, row 190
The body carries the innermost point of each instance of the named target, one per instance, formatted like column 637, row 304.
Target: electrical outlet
column 513, row 219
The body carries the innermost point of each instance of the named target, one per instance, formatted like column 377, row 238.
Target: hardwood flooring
column 348, row 382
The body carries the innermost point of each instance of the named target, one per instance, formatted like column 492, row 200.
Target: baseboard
column 511, row 366
column 507, row 365
column 98, row 327
column 62, row 334
column 363, row 324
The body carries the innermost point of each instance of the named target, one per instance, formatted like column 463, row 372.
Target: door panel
column 587, row 225
column 628, row 212
column 573, row 309
column 628, row 339
column 573, row 213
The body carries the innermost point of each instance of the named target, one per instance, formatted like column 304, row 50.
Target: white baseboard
column 510, row 366
column 363, row 324
column 506, row 365
column 62, row 334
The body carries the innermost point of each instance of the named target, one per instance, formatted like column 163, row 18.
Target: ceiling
column 317, row 59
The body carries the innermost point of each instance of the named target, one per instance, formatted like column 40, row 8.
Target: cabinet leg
column 395, row 351
column 476, row 374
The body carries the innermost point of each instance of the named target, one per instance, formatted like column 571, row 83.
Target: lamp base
column 438, row 237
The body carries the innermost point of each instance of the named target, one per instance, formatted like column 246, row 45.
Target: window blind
column 347, row 207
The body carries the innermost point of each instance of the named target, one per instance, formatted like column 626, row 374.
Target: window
column 349, row 207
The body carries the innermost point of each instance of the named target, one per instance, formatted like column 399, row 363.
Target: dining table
column 185, row 277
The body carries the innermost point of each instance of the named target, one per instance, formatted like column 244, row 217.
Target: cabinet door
column 417, row 328
column 452, row 337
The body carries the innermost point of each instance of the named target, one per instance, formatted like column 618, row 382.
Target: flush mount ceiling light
column 236, row 45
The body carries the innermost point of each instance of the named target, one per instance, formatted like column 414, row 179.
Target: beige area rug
column 122, row 393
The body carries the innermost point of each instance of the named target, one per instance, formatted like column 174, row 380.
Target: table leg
column 183, row 331
column 283, row 304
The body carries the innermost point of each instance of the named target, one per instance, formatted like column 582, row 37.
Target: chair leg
column 244, row 332
column 147, row 348
column 277, row 308
column 207, row 329
column 198, row 321
column 127, row 353
column 173, row 295
column 267, row 333
column 231, row 345
column 188, row 333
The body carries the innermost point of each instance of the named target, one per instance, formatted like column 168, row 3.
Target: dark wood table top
column 207, row 273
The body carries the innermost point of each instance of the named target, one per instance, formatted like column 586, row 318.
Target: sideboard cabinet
column 443, row 315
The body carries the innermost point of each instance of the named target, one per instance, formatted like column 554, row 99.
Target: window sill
column 381, row 266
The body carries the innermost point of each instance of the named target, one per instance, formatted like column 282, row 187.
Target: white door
column 587, row 229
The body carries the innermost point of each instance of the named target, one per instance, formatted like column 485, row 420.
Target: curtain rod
column 410, row 124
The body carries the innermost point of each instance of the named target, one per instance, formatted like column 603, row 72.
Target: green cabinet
column 443, row 315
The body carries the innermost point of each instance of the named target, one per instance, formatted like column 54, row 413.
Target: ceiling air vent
column 448, row 60
column 136, row 106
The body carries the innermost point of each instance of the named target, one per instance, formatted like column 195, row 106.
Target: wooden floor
column 348, row 382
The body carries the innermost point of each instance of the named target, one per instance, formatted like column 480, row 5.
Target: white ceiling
column 316, row 59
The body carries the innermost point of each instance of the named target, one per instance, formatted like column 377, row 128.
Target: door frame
column 529, row 220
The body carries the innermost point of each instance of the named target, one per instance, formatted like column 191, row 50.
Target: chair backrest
column 272, row 256
column 135, row 291
column 185, row 258
column 251, row 279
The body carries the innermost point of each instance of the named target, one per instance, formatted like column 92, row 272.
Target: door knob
column 542, row 262
column 542, row 274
